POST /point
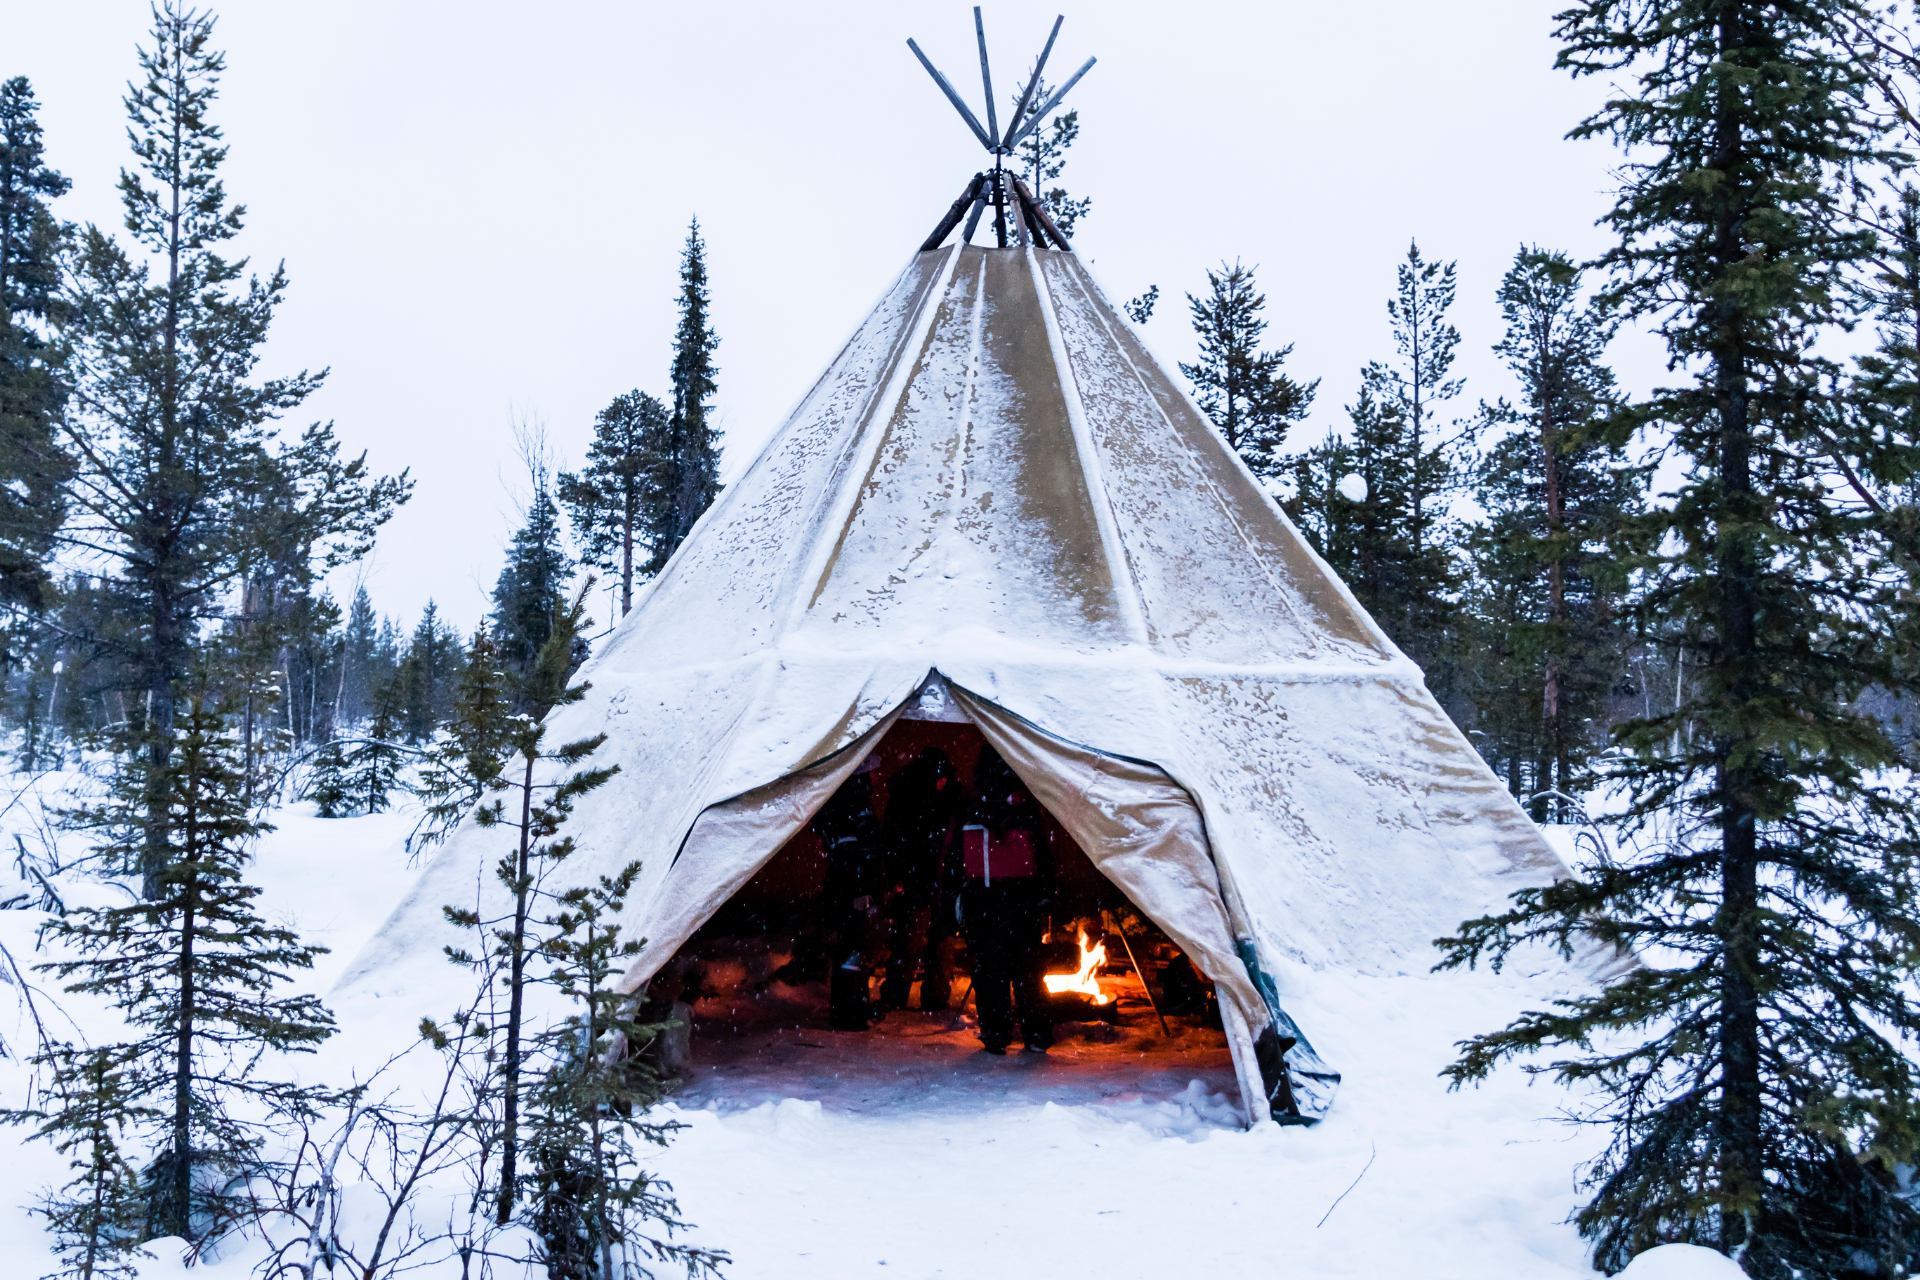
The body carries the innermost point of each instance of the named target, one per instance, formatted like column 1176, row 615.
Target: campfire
column 1082, row 982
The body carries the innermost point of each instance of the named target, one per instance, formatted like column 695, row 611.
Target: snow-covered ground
column 1015, row 1168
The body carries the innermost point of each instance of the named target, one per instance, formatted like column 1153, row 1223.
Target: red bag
column 1009, row 855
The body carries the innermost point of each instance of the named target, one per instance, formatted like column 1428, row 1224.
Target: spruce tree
column 173, row 435
column 533, row 583
column 1415, row 386
column 84, row 1111
column 374, row 762
column 1757, row 1070
column 1547, row 580
column 1240, row 387
column 360, row 656
column 615, row 501
column 587, row 1197
column 465, row 760
column 1375, row 534
column 193, row 969
column 533, row 795
column 331, row 787
column 32, row 382
column 427, row 675
column 690, row 477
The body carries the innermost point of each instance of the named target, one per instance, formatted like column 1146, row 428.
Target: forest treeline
column 166, row 535
column 155, row 528
column 1493, row 541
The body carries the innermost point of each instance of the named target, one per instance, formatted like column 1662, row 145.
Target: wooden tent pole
column 1040, row 212
column 954, row 214
column 1026, row 96
column 973, row 219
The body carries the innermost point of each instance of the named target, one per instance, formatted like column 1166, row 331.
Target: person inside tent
column 1007, row 874
column 923, row 805
column 846, row 827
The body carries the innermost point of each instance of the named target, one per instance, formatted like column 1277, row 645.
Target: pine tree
column 1757, row 1071
column 691, row 474
column 534, row 794
column 360, row 657
column 587, row 1198
column 373, row 763
column 615, row 501
column 1139, row 308
column 1374, row 533
column 1417, row 385
column 1242, row 388
column 465, row 760
column 1547, row 582
column 193, row 970
column 1043, row 154
column 32, row 386
column 1391, row 540
column 331, row 787
column 533, row 584
column 174, row 438
column 84, row 1112
column 427, row 675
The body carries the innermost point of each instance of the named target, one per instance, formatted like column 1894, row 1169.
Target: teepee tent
column 995, row 505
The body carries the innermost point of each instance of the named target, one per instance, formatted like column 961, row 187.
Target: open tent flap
column 1139, row 827
column 1145, row 833
column 732, row 840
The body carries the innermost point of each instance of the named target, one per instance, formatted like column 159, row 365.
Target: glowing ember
column 1083, row 982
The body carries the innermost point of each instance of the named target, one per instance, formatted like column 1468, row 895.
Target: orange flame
column 1084, row 981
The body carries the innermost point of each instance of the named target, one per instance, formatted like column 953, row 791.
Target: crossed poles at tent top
column 999, row 186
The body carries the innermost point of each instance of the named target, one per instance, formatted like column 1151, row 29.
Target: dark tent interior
column 1132, row 1016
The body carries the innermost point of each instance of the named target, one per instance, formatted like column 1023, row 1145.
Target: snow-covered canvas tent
column 996, row 505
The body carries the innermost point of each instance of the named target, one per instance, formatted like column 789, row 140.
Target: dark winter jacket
column 847, row 830
column 924, row 799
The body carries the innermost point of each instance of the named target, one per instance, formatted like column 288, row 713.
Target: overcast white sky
column 481, row 205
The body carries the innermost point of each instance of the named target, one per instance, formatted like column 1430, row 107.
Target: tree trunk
column 180, row 1194
column 626, row 563
column 1741, row 1151
column 1552, row 711
column 516, row 991
column 166, row 640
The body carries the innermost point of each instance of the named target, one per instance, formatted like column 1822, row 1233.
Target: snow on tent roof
column 996, row 482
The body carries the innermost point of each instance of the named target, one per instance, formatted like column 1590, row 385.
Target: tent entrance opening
column 851, row 971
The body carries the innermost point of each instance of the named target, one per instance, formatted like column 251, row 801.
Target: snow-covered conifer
column 597, row 1213
column 533, row 796
column 84, row 1109
column 194, row 970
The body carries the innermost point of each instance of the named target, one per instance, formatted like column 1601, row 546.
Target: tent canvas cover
column 996, row 505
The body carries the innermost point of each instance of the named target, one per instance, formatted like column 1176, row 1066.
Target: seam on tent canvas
column 1120, row 568
column 1057, row 737
column 772, row 662
column 1286, row 598
column 878, row 425
column 1234, row 459
column 786, row 425
column 969, row 402
column 962, row 438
